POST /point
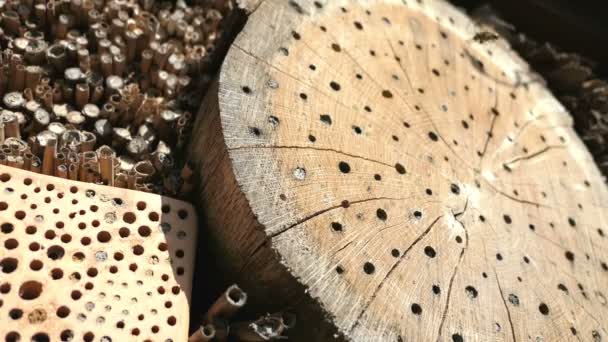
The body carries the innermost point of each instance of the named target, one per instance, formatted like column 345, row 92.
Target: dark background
column 579, row 26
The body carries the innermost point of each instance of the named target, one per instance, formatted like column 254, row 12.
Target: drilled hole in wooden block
column 69, row 278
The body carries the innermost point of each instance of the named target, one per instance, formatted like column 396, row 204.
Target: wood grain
column 419, row 185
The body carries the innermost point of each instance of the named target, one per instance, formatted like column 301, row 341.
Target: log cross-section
column 400, row 170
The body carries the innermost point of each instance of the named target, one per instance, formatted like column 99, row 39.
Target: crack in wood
column 372, row 235
column 343, row 247
column 541, row 281
column 488, row 137
column 458, row 214
column 447, row 302
column 527, row 124
column 502, row 296
column 328, row 96
column 427, row 114
column 535, row 154
column 390, row 271
column 369, row 237
column 320, row 212
column 572, row 298
column 316, row 149
column 514, row 198
column 403, row 99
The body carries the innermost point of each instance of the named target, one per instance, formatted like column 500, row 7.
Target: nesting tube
column 59, row 160
column 73, row 172
column 90, row 111
column 11, row 124
column 131, row 179
column 62, row 171
column 227, row 304
column 88, row 141
column 85, row 168
column 56, row 55
column 33, row 74
column 48, row 160
column 47, row 99
column 27, row 160
column 18, row 78
column 106, row 164
column 144, row 170
column 106, row 64
column 40, row 141
column 97, row 94
column 15, row 161
column 119, row 64
column 75, row 118
column 28, row 95
column 89, row 156
column 82, row 95
column 41, row 119
column 73, row 158
column 11, row 22
column 71, row 139
column 205, row 333
column 131, row 38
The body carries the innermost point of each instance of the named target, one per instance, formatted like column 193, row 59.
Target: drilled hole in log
column 401, row 174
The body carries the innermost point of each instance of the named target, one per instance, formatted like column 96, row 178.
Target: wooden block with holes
column 384, row 170
column 85, row 262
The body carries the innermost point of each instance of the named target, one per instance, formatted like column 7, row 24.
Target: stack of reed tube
column 69, row 156
column 217, row 325
column 104, row 91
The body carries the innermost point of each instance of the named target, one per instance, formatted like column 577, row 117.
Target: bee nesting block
column 390, row 167
column 86, row 262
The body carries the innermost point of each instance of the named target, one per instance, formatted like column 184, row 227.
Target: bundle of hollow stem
column 218, row 325
column 104, row 91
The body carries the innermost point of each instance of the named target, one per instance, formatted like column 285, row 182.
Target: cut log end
column 419, row 182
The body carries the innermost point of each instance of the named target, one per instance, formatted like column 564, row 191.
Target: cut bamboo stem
column 205, row 333
column 227, row 304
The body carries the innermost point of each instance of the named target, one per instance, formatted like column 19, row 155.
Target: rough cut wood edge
column 241, row 240
column 237, row 240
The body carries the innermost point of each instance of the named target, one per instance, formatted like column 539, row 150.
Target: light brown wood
column 83, row 262
column 417, row 183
